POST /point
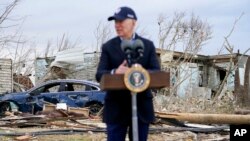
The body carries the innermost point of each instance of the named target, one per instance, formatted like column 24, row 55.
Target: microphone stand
column 134, row 117
column 133, row 106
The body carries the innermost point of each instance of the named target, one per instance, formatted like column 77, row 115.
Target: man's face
column 125, row 28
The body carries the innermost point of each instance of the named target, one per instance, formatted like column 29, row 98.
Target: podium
column 158, row 80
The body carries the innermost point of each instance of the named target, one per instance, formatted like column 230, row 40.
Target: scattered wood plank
column 23, row 118
column 23, row 138
column 29, row 121
column 79, row 111
column 49, row 107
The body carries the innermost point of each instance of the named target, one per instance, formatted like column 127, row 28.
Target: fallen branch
column 207, row 118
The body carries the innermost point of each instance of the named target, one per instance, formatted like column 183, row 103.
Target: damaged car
column 72, row 92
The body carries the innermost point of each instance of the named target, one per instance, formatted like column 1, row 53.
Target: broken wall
column 6, row 77
column 242, row 86
column 190, row 81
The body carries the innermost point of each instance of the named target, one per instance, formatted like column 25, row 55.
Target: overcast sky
column 50, row 19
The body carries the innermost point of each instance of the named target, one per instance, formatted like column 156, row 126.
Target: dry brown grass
column 194, row 105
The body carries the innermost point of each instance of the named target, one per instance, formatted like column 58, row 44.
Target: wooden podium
column 159, row 79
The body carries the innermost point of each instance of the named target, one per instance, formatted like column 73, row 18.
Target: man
column 117, row 108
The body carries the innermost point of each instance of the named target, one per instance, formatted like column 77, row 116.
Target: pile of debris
column 176, row 125
column 46, row 117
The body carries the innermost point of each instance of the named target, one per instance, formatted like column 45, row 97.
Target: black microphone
column 139, row 47
column 127, row 48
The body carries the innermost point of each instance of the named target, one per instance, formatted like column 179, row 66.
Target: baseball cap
column 123, row 13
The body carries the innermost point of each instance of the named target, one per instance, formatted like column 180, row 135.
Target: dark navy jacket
column 117, row 107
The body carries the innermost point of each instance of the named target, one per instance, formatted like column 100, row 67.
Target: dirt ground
column 163, row 136
column 86, row 135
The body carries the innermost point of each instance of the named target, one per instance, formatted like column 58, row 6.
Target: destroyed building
column 191, row 75
column 200, row 75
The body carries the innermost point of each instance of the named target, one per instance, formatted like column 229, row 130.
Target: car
column 75, row 93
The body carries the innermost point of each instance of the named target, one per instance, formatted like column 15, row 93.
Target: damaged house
column 233, row 70
column 199, row 75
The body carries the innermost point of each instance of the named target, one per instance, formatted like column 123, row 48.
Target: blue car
column 75, row 93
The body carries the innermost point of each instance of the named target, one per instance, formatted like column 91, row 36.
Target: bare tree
column 47, row 49
column 5, row 11
column 62, row 43
column 65, row 43
column 190, row 34
column 102, row 33
column 181, row 34
column 13, row 45
column 22, row 58
column 232, row 64
column 142, row 31
column 226, row 45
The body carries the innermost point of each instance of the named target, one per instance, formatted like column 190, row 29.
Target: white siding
column 6, row 81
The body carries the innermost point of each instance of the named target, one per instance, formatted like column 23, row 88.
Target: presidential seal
column 137, row 79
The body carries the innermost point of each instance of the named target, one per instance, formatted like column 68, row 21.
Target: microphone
column 127, row 48
column 139, row 47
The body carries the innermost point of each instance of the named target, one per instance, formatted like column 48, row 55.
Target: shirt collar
column 133, row 37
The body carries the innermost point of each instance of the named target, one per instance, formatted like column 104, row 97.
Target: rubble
column 170, row 124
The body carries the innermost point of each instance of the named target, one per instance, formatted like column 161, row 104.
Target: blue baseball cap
column 123, row 13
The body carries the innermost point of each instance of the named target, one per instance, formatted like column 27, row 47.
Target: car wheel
column 8, row 106
column 95, row 109
column 4, row 107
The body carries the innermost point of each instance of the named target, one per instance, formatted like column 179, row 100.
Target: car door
column 45, row 93
column 75, row 94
